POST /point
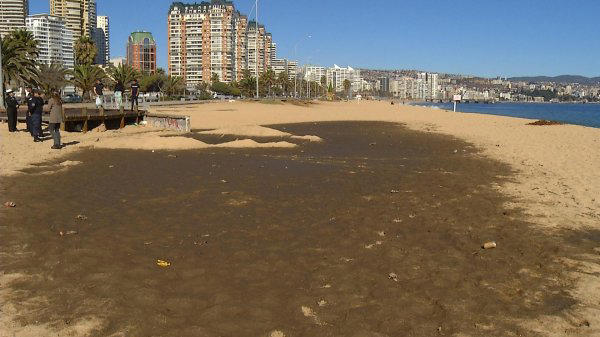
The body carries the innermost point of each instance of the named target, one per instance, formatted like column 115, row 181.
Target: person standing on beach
column 135, row 92
column 56, row 117
column 30, row 108
column 99, row 91
column 119, row 88
column 36, row 116
column 11, row 110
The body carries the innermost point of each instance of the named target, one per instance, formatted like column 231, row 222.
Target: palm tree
column 347, row 85
column 172, row 85
column 52, row 77
column 19, row 53
column 85, row 51
column 247, row 84
column 124, row 74
column 85, row 76
column 267, row 79
column 284, row 81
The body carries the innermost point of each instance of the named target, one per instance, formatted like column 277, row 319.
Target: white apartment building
column 314, row 73
column 283, row 65
column 55, row 40
column 103, row 28
column 79, row 15
column 12, row 15
column 337, row 75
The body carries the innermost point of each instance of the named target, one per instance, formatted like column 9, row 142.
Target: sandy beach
column 538, row 188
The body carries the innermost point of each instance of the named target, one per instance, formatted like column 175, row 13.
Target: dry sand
column 556, row 180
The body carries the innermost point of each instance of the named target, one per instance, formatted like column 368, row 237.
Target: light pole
column 1, row 78
column 296, row 57
column 256, row 53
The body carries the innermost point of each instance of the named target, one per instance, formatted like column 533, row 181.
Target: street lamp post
column 296, row 57
column 1, row 78
column 256, row 53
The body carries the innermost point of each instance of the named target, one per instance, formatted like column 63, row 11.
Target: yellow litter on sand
column 162, row 263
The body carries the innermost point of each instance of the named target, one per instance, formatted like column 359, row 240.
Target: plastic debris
column 68, row 233
column 81, row 217
column 162, row 263
column 489, row 245
column 393, row 277
column 10, row 204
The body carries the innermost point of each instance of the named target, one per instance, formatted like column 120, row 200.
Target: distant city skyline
column 478, row 38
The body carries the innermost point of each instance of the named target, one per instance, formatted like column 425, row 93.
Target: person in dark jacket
column 11, row 110
column 135, row 93
column 36, row 116
column 30, row 107
column 55, row 118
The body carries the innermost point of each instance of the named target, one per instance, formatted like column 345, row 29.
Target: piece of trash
column 10, row 204
column 397, row 220
column 412, row 216
column 224, row 181
column 322, row 303
column 381, row 233
column 172, row 156
column 81, row 217
column 111, row 166
column 147, row 243
column 455, row 151
column 372, row 144
column 489, row 245
column 394, row 191
column 162, row 263
column 393, row 277
column 68, row 233
column 327, row 286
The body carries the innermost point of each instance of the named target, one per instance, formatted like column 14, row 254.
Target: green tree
column 85, row 51
column 173, row 85
column 347, row 85
column 267, row 80
column 52, row 77
column 324, row 84
column 124, row 74
column 247, row 85
column 84, row 78
column 19, row 53
column 283, row 80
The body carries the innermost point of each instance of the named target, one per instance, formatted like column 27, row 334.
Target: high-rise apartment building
column 285, row 65
column 337, row 75
column 12, row 15
column 100, row 42
column 213, row 38
column 141, row 52
column 103, row 30
column 79, row 15
column 55, row 41
column 314, row 73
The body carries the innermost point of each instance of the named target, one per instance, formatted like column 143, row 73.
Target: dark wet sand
column 255, row 235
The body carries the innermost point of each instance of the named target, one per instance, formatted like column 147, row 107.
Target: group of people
column 35, row 108
column 119, row 90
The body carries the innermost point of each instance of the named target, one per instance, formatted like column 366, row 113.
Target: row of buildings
column 68, row 20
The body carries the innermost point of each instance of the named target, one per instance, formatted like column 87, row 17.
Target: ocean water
column 578, row 114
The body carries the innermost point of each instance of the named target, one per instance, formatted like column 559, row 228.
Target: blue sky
column 478, row 37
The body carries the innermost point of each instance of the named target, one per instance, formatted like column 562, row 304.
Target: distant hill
column 564, row 79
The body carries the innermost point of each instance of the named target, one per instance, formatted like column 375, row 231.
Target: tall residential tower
column 103, row 30
column 79, row 15
column 141, row 52
column 12, row 15
column 213, row 38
